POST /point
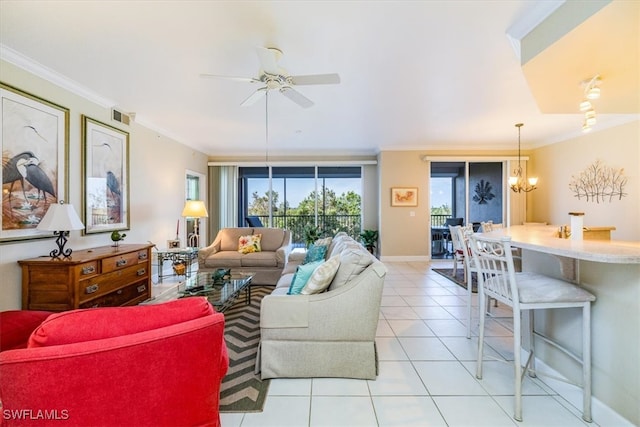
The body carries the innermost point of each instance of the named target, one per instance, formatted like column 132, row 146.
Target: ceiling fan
column 277, row 78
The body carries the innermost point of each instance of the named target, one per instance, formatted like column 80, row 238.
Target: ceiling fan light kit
column 275, row 78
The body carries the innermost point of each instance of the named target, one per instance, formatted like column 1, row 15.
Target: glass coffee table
column 221, row 294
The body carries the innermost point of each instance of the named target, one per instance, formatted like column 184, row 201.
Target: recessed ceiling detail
column 606, row 43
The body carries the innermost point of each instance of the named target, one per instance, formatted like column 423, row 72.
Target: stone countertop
column 544, row 239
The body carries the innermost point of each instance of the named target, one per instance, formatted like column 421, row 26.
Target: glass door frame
column 513, row 205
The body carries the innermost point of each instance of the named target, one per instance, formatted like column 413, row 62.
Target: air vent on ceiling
column 121, row 117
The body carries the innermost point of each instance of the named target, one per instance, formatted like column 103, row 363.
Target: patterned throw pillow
column 249, row 244
column 301, row 277
column 322, row 276
column 315, row 253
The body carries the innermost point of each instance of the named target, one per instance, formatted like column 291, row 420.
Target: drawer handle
column 91, row 289
column 121, row 262
column 142, row 255
column 88, row 270
column 119, row 292
column 142, row 288
column 142, row 272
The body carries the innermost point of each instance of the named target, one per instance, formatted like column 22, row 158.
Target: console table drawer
column 131, row 294
column 119, row 262
column 105, row 283
column 88, row 269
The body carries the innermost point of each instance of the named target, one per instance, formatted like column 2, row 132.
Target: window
column 294, row 197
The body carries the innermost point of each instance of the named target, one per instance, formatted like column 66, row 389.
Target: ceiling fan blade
column 238, row 79
column 269, row 59
column 316, row 79
column 255, row 96
column 296, row 97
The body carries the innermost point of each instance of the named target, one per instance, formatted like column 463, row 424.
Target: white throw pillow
column 353, row 261
column 322, row 277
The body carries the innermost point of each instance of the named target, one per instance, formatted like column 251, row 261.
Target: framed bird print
column 35, row 149
column 105, row 169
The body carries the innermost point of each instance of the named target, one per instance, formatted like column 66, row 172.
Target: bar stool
column 528, row 292
column 460, row 241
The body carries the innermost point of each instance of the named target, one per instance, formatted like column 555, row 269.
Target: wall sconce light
column 60, row 218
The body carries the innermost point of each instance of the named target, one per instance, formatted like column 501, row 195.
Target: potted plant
column 311, row 234
column 369, row 239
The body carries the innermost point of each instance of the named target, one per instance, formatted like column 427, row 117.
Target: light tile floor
column 426, row 369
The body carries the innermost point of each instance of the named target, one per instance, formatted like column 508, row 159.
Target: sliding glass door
column 469, row 191
column 297, row 197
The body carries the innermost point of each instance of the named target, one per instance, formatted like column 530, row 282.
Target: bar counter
column 542, row 238
column 609, row 269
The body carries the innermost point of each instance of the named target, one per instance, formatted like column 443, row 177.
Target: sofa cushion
column 353, row 261
column 272, row 238
column 249, row 244
column 98, row 323
column 17, row 325
column 229, row 237
column 322, row 277
column 302, row 276
column 226, row 259
column 259, row 259
column 315, row 253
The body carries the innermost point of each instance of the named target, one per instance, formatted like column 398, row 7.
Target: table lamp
column 60, row 218
column 195, row 209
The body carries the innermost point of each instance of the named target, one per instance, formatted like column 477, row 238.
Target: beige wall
column 404, row 231
column 157, row 174
column 617, row 147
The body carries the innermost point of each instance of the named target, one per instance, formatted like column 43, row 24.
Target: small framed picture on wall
column 404, row 196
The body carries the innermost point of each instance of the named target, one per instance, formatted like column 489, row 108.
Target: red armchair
column 151, row 365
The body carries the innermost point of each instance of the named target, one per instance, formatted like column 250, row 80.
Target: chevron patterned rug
column 241, row 390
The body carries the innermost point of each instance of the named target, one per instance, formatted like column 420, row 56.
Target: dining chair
column 526, row 292
column 460, row 240
column 447, row 235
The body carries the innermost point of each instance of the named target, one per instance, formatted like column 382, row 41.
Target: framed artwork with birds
column 105, row 170
column 35, row 149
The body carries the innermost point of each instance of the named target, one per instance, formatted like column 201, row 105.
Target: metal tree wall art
column 599, row 183
column 483, row 192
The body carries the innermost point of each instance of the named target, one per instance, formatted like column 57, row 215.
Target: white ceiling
column 414, row 74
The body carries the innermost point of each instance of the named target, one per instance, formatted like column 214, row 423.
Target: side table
column 177, row 255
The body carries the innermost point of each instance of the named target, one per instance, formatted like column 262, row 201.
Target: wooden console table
column 98, row 277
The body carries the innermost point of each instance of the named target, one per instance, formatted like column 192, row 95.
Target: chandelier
column 518, row 182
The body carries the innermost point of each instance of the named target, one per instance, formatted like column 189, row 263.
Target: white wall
column 157, row 176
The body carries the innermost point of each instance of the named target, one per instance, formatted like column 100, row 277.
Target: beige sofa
column 266, row 264
column 329, row 334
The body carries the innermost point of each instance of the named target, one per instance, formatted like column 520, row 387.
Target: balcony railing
column 329, row 225
column 439, row 220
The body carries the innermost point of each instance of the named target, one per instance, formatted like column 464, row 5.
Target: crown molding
column 19, row 60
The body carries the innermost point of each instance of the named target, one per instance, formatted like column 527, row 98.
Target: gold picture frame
column 404, row 196
column 105, row 184
column 35, row 162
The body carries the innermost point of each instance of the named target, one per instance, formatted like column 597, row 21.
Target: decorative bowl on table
column 220, row 275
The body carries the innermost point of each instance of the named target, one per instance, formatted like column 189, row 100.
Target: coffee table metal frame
column 221, row 295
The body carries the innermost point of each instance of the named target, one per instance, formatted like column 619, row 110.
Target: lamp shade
column 60, row 217
column 195, row 209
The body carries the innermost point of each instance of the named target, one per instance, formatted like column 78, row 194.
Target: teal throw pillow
column 315, row 253
column 302, row 276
